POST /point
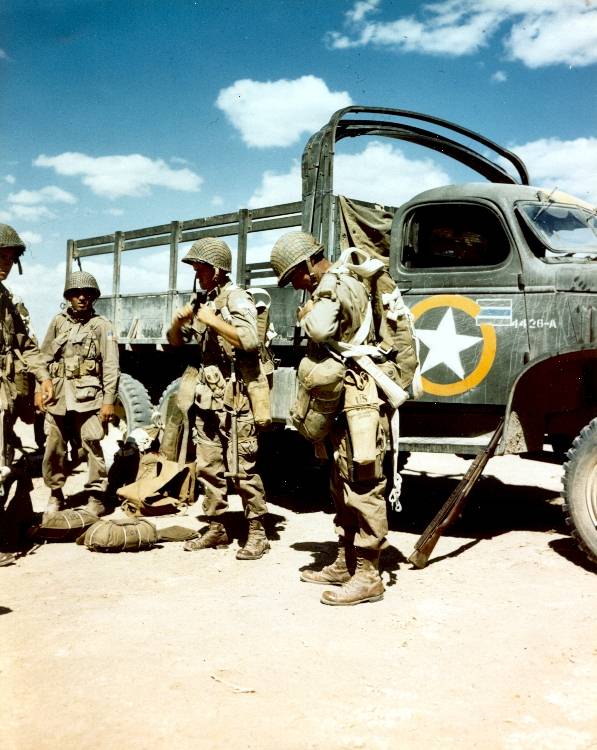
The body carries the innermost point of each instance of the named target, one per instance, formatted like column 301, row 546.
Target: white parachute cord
column 394, row 497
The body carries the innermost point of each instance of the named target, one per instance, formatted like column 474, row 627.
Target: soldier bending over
column 338, row 315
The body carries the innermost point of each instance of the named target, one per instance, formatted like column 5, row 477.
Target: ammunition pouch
column 321, row 384
column 86, row 388
column 211, row 388
column 78, row 367
column 56, row 369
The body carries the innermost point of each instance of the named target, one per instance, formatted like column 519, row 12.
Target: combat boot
column 338, row 572
column 95, row 505
column 365, row 585
column 256, row 545
column 55, row 504
column 215, row 537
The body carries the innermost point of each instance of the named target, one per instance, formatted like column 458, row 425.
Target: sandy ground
column 494, row 645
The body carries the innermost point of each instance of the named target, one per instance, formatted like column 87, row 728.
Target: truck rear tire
column 580, row 489
column 173, row 420
column 133, row 405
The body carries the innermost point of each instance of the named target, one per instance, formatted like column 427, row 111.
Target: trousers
column 360, row 505
column 212, row 439
column 74, row 426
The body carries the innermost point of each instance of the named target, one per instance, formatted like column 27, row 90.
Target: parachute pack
column 392, row 320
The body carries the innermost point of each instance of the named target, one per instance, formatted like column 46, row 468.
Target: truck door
column 459, row 269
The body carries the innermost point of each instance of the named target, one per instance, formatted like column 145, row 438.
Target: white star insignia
column 445, row 345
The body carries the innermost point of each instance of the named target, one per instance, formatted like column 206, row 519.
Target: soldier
column 225, row 327
column 82, row 357
column 335, row 313
column 16, row 345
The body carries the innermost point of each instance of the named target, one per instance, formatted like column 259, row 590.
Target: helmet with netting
column 290, row 250
column 210, row 250
column 81, row 280
column 10, row 238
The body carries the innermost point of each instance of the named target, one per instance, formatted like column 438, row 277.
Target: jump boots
column 364, row 586
column 215, row 537
column 338, row 572
column 257, row 544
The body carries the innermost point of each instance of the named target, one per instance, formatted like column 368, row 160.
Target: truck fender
column 554, row 395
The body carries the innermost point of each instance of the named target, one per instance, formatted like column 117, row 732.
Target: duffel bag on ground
column 64, row 526
column 120, row 535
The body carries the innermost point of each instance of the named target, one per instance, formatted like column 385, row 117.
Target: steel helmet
column 210, row 250
column 290, row 250
column 81, row 280
column 10, row 238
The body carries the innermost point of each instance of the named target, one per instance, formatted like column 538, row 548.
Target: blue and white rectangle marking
column 497, row 312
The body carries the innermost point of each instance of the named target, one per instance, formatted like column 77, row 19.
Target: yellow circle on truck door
column 471, row 308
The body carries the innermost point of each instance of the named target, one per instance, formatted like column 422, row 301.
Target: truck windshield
column 564, row 230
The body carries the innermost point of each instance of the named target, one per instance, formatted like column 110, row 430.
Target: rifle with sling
column 234, row 471
column 454, row 505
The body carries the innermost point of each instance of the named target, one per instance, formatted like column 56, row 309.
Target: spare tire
column 133, row 406
column 172, row 421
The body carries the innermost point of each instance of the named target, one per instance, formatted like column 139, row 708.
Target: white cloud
column 29, row 213
column 560, row 37
column 3, row 55
column 568, row 165
column 114, row 211
column 361, row 9
column 541, row 32
column 117, row 176
column 379, row 173
column 278, row 188
column 9, row 178
column 217, row 201
column 499, row 77
column 42, row 300
column 277, row 113
column 48, row 194
column 31, row 238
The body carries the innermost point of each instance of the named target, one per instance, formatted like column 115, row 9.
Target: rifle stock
column 454, row 505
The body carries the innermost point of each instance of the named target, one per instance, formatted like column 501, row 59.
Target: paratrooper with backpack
column 354, row 317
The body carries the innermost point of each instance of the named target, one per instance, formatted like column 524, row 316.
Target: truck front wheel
column 133, row 406
column 580, row 489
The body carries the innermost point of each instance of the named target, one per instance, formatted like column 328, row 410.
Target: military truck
column 500, row 276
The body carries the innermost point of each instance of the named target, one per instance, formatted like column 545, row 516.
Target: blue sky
column 124, row 114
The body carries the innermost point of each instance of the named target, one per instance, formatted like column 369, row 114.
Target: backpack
column 395, row 331
column 392, row 320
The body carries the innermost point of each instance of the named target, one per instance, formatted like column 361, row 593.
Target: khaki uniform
column 339, row 308
column 82, row 359
column 217, row 394
column 18, row 350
